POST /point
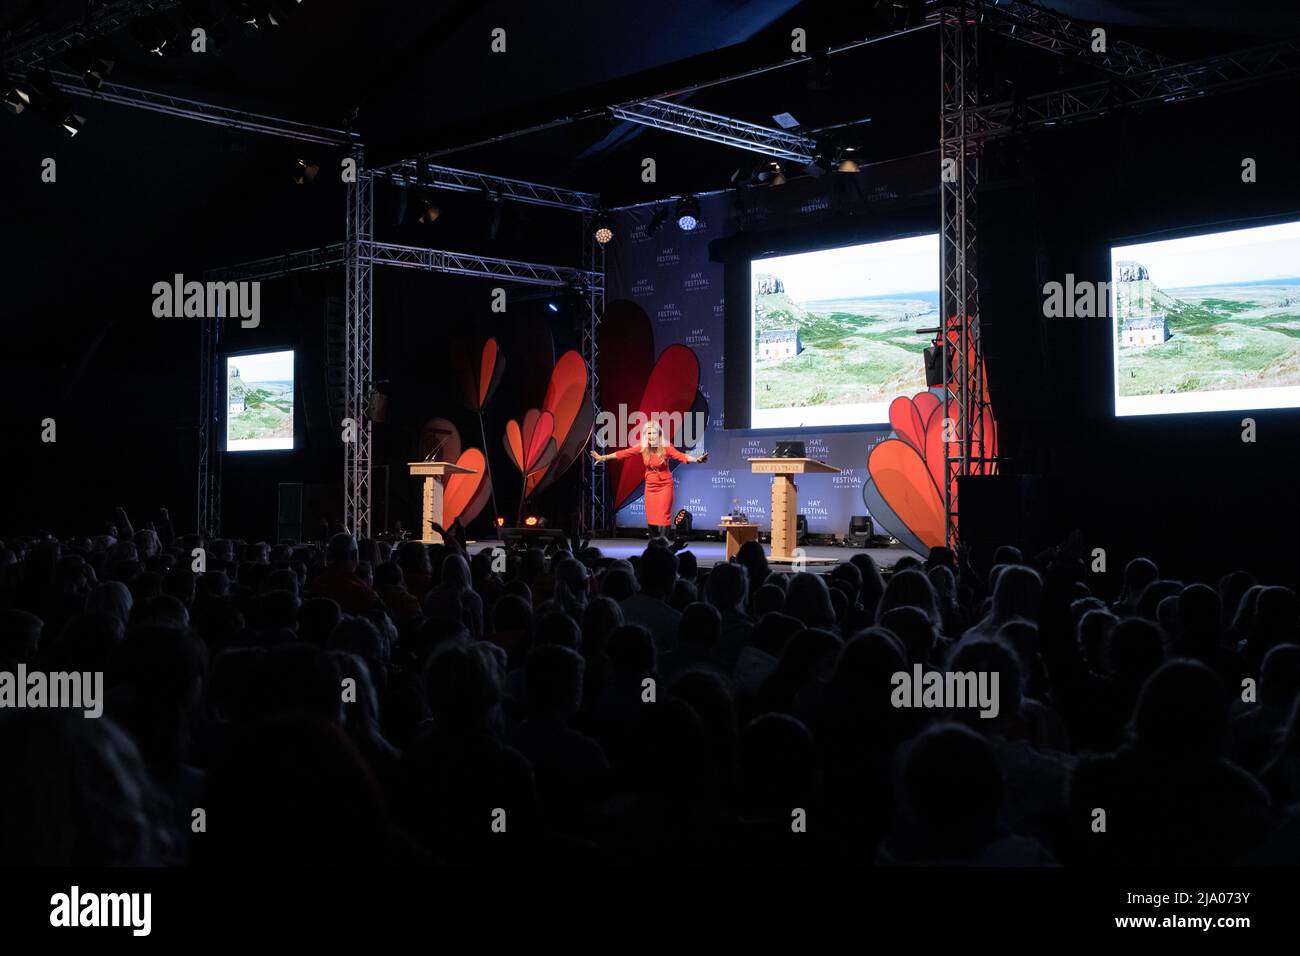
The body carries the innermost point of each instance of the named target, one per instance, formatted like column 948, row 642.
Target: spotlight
column 533, row 521
column 429, row 210
column 92, row 66
column 255, row 13
column 688, row 213
column 17, row 97
column 71, row 124
column 94, row 74
column 153, row 31
column 657, row 221
column 772, row 175
column 846, row 160
column 501, row 522
column 553, row 306
column 426, row 206
column 861, row 529
column 604, row 233
column 682, row 521
column 304, row 171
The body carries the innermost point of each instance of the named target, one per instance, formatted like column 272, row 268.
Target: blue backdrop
column 669, row 275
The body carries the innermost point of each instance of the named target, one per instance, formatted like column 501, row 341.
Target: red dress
column 658, row 483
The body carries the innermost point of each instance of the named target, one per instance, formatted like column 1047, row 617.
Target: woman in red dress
column 655, row 453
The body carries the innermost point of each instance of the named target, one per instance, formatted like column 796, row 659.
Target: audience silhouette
column 375, row 702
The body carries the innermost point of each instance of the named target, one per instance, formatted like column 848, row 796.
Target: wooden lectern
column 785, row 503
column 430, row 471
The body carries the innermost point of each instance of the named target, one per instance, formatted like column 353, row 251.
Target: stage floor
column 709, row 553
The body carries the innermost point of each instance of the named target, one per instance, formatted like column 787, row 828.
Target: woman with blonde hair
column 655, row 452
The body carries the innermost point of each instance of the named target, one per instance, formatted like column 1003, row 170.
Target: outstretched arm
column 677, row 455
column 624, row 453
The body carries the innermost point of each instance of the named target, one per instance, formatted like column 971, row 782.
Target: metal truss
column 275, row 267
column 592, row 492
column 500, row 187
column 660, row 114
column 359, row 334
column 1171, row 84
column 460, row 263
column 1058, row 34
column 202, row 112
column 100, row 19
column 958, row 256
column 209, row 493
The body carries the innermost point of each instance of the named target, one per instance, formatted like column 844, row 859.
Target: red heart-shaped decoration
column 465, row 495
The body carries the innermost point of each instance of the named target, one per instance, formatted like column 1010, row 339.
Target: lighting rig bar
column 460, row 180
column 410, row 257
column 714, row 128
column 99, row 20
column 1058, row 34
column 275, row 267
column 1172, row 84
column 203, row 112
column 457, row 263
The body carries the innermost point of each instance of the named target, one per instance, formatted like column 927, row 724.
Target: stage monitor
column 833, row 333
column 259, row 401
column 1208, row 322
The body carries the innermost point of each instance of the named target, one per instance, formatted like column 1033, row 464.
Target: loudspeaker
column 288, row 522
column 935, row 356
column 322, row 509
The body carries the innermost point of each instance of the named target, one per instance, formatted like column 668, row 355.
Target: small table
column 738, row 532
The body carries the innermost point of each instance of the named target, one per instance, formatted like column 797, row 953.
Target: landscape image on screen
column 259, row 401
column 833, row 332
column 1208, row 322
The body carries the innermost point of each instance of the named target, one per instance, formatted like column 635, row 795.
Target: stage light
column 846, row 160
column 153, row 31
column 501, row 522
column 255, row 13
column 94, row 75
column 861, row 528
column 532, row 521
column 17, row 97
column 682, row 521
column 429, row 210
column 304, row 171
column 71, row 124
column 92, row 66
column 658, row 219
column 604, row 233
column 553, row 306
column 773, row 175
column 688, row 213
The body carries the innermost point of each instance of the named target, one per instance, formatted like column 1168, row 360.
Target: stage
column 709, row 553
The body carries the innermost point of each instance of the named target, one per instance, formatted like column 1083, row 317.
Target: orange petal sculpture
column 465, row 495
column 907, row 471
column 570, row 406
